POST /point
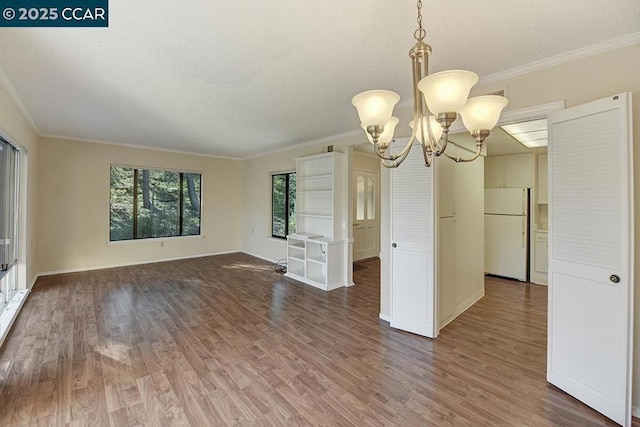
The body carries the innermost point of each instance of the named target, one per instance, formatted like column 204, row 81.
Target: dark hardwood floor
column 227, row 341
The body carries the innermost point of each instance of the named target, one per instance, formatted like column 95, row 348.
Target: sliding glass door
column 9, row 200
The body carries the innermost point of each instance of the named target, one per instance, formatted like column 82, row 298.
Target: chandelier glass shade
column 438, row 100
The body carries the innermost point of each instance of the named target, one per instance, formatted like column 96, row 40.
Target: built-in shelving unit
column 316, row 253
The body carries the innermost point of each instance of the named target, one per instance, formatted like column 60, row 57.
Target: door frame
column 352, row 194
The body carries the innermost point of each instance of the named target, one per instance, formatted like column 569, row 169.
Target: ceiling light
column 532, row 134
column 438, row 99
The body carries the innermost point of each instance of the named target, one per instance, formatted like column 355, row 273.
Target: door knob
column 393, row 245
column 614, row 278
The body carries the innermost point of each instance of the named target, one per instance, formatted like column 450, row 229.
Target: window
column 283, row 197
column 148, row 203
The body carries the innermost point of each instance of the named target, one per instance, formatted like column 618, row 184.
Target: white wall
column 365, row 162
column 17, row 128
column 73, row 201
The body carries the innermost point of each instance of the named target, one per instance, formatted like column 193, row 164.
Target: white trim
column 264, row 258
column 562, row 58
column 153, row 239
column 464, row 306
column 307, row 144
column 33, row 282
column 10, row 313
column 530, row 113
column 11, row 90
column 134, row 146
column 103, row 267
column 635, row 411
column 384, row 317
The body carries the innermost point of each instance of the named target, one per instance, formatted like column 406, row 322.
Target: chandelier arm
column 461, row 160
column 445, row 141
column 389, row 164
column 428, row 155
column 401, row 157
column 394, row 157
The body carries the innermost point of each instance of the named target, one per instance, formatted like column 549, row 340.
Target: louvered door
column 590, row 254
column 412, row 246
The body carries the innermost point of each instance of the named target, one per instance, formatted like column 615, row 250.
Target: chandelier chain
column 420, row 33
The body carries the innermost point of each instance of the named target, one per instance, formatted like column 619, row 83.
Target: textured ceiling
column 240, row 78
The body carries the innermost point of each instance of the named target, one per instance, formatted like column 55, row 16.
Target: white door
column 366, row 228
column 412, row 246
column 590, row 254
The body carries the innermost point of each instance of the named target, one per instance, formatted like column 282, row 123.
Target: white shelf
column 321, row 213
column 319, row 278
column 297, row 245
column 310, row 215
column 303, row 177
column 299, row 272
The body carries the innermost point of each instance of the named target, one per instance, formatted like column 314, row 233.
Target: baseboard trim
column 384, row 317
column 464, row 306
column 104, row 267
column 35, row 279
column 635, row 411
column 261, row 257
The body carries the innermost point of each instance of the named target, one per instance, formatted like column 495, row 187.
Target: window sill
column 161, row 240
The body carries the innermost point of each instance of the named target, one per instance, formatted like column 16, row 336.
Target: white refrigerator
column 506, row 228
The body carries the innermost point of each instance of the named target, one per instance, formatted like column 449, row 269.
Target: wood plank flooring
column 225, row 340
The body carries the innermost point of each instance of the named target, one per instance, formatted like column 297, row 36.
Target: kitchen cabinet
column 516, row 171
column 541, row 258
column 542, row 189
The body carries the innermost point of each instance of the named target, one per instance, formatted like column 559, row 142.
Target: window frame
column 287, row 202
column 10, row 206
column 136, row 171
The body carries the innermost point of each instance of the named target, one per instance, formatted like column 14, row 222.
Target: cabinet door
column 542, row 179
column 518, row 171
column 542, row 255
column 493, row 172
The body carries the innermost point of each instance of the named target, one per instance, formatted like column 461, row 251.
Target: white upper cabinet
column 515, row 171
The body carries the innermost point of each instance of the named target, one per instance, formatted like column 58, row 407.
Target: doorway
column 366, row 222
column 364, row 193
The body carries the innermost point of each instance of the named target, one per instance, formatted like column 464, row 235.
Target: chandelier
column 437, row 100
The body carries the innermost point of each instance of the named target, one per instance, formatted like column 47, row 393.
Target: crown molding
column 552, row 61
column 135, row 146
column 11, row 90
column 562, row 58
column 306, row 144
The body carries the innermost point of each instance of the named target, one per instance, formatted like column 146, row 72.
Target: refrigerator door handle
column 524, row 231
column 524, row 202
